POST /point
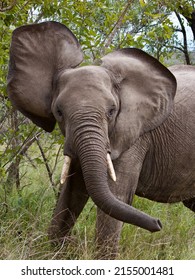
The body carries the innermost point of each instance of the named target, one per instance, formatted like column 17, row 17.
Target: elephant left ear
column 145, row 89
column 38, row 53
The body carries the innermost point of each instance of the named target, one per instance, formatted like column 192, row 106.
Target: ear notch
column 38, row 53
column 146, row 90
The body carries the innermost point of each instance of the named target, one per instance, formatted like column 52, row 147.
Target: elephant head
column 101, row 109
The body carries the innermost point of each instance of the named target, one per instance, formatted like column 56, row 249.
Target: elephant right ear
column 38, row 53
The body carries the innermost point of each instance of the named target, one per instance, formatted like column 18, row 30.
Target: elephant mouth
column 67, row 163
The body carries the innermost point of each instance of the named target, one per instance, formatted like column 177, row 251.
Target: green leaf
column 143, row 3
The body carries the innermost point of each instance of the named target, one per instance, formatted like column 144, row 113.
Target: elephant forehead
column 87, row 86
column 86, row 77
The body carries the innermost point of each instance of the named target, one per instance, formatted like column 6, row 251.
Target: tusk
column 65, row 169
column 111, row 168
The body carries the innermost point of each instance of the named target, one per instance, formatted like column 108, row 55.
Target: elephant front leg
column 71, row 201
column 108, row 230
column 107, row 236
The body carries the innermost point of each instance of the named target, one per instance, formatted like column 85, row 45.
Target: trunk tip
column 157, row 225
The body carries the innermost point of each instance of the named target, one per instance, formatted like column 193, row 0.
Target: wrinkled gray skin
column 124, row 106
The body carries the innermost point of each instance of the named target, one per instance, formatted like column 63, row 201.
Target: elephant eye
column 59, row 112
column 111, row 112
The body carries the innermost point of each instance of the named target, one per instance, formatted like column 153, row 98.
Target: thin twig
column 46, row 163
column 24, row 147
column 56, row 159
column 14, row 166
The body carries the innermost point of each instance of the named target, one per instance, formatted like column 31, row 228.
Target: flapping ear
column 38, row 53
column 145, row 89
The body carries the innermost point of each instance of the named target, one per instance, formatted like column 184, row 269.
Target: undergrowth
column 25, row 216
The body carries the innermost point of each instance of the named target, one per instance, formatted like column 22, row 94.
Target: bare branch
column 185, row 44
column 178, row 30
column 46, row 163
column 117, row 25
column 177, row 48
column 13, row 169
column 21, row 150
column 56, row 159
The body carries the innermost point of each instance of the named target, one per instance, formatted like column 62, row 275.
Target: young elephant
column 124, row 110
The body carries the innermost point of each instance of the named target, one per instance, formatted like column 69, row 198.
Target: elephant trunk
column 91, row 149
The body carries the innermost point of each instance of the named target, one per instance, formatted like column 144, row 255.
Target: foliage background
column 30, row 159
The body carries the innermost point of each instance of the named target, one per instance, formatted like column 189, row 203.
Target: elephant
column 128, row 122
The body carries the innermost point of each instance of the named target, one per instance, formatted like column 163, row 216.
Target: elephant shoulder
column 185, row 84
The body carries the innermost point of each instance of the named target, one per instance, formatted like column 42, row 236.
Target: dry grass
column 26, row 215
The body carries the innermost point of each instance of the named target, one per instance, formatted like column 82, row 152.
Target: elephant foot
column 107, row 250
column 58, row 236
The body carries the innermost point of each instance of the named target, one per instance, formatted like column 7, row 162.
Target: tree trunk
column 185, row 43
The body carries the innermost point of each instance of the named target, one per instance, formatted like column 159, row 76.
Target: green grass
column 25, row 217
column 174, row 242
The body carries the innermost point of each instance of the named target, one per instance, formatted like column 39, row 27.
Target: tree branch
column 189, row 16
column 13, row 168
column 185, row 44
column 46, row 164
column 177, row 48
column 117, row 25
